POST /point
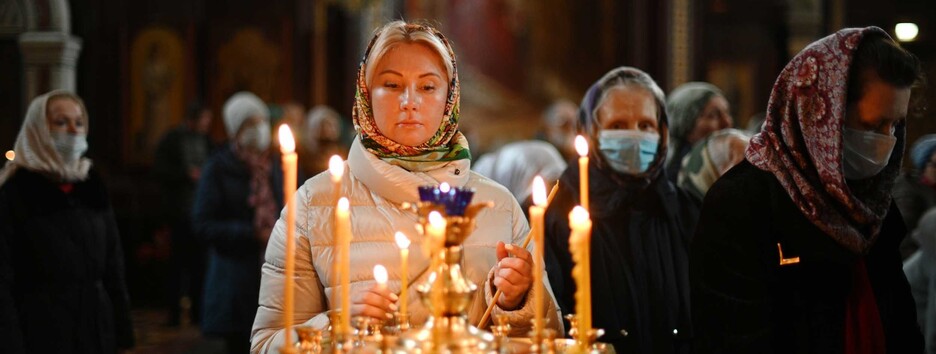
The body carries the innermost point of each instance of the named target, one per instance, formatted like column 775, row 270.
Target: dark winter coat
column 223, row 219
column 639, row 259
column 744, row 301
column 62, row 286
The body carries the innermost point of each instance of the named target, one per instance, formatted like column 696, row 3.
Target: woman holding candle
column 641, row 223
column 815, row 186
column 406, row 115
column 62, row 286
column 235, row 208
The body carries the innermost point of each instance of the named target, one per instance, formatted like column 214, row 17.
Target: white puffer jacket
column 376, row 190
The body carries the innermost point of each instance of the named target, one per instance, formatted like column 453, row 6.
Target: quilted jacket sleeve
column 310, row 301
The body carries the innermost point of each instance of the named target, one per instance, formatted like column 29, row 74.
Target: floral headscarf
column 588, row 117
column 801, row 143
column 35, row 150
column 448, row 144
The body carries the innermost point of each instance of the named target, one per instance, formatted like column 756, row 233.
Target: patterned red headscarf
column 801, row 144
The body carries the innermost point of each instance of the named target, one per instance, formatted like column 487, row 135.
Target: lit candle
column 581, row 146
column 288, row 148
column 343, row 226
column 536, row 227
column 403, row 243
column 579, row 243
column 380, row 275
column 336, row 170
column 436, row 232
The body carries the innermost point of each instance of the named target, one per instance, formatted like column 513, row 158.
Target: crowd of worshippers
column 800, row 234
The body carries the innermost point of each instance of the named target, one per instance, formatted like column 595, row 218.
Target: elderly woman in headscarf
column 62, row 286
column 796, row 247
column 515, row 165
column 695, row 109
column 641, row 222
column 406, row 116
column 234, row 212
column 920, row 269
column 320, row 140
column 711, row 158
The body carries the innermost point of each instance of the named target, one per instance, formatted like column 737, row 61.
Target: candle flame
column 336, row 167
column 286, row 140
column 445, row 187
column 343, row 204
column 380, row 274
column 581, row 145
column 10, row 155
column 578, row 215
column 539, row 192
column 436, row 219
column 401, row 240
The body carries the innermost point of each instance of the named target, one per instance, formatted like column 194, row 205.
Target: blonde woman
column 406, row 115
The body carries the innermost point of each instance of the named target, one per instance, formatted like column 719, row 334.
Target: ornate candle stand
column 447, row 293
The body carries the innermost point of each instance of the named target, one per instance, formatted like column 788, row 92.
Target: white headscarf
column 35, row 150
column 239, row 108
column 516, row 164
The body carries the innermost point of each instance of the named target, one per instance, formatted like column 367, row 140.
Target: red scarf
column 864, row 332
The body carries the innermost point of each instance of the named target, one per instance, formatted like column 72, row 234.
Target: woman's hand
column 513, row 276
column 376, row 302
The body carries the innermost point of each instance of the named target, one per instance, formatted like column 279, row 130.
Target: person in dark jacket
column 177, row 167
column 796, row 247
column 641, row 222
column 236, row 205
column 62, row 286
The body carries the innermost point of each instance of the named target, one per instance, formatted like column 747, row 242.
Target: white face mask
column 865, row 153
column 69, row 146
column 628, row 151
column 256, row 137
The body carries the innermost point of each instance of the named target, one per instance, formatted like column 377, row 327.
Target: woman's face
column 65, row 115
column 628, row 108
column 408, row 93
column 880, row 106
column 714, row 117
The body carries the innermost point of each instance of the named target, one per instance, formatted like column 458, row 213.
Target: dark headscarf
column 801, row 143
column 588, row 119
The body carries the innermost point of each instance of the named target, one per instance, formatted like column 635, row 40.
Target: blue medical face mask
column 628, row 151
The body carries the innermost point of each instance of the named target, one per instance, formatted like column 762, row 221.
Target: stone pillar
column 49, row 61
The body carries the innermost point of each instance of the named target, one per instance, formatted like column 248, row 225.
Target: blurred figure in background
column 320, row 140
column 237, row 203
column 920, row 269
column 516, row 164
column 62, row 286
column 696, row 109
column 177, row 167
column 559, row 127
column 915, row 190
column 711, row 158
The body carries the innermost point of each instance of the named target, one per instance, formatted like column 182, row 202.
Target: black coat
column 744, row 301
column 223, row 219
column 639, row 259
column 62, row 286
